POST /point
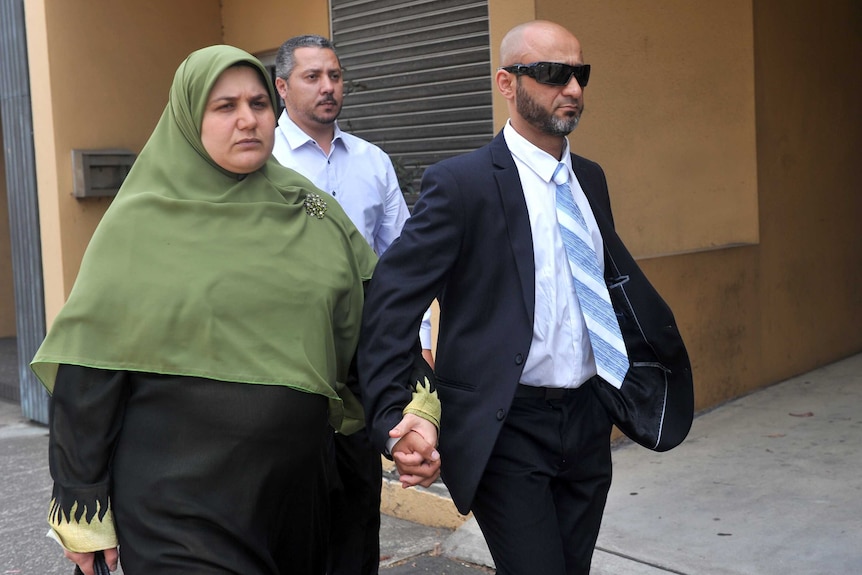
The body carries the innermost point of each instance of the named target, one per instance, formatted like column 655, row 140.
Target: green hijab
column 197, row 271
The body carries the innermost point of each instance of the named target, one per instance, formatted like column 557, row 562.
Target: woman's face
column 238, row 127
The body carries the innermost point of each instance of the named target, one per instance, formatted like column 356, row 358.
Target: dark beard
column 530, row 110
column 325, row 119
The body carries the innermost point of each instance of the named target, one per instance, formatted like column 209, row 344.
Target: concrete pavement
column 768, row 484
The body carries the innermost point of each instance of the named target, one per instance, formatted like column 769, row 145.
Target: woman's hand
column 84, row 561
column 415, row 454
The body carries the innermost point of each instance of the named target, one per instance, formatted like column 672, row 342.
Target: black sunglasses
column 552, row 73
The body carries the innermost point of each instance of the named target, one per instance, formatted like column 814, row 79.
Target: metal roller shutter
column 418, row 78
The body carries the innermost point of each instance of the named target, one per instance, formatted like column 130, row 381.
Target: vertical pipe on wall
column 17, row 120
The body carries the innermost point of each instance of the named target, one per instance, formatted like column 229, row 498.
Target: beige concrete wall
column 7, row 291
column 100, row 72
column 669, row 113
column 261, row 26
column 809, row 145
column 757, row 315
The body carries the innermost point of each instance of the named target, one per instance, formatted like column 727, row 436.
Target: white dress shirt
column 360, row 176
column 356, row 173
column 560, row 354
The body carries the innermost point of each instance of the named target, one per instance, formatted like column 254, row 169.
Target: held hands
column 415, row 454
column 84, row 561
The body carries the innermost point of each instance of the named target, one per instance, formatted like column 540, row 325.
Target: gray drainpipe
column 16, row 117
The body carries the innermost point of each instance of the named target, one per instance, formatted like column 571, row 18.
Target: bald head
column 541, row 110
column 539, row 40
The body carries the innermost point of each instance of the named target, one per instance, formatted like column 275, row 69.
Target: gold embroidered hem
column 75, row 533
column 425, row 403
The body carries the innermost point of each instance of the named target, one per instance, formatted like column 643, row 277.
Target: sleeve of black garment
column 408, row 276
column 86, row 413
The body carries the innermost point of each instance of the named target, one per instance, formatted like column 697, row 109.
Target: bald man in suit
column 527, row 410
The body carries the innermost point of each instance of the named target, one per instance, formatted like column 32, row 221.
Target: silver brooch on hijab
column 315, row 206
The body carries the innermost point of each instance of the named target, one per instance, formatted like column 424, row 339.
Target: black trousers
column 542, row 495
column 355, row 482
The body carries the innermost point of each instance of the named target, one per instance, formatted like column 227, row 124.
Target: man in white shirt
column 361, row 177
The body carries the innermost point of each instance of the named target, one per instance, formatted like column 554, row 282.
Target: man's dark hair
column 284, row 60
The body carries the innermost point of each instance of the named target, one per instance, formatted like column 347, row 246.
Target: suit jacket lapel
column 517, row 218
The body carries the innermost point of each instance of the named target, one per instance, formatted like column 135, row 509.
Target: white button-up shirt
column 360, row 176
column 560, row 354
column 356, row 173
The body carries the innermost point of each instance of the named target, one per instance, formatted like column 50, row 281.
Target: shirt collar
column 296, row 137
column 539, row 161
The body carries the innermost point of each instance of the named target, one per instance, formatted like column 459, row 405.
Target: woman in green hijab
column 203, row 349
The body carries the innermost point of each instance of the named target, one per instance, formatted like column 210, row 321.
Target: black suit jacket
column 469, row 244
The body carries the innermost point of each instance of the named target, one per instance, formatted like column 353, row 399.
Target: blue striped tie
column 608, row 347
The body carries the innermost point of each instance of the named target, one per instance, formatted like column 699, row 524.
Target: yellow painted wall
column 669, row 113
column 100, row 72
column 7, row 291
column 809, row 147
column 757, row 315
column 260, row 26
